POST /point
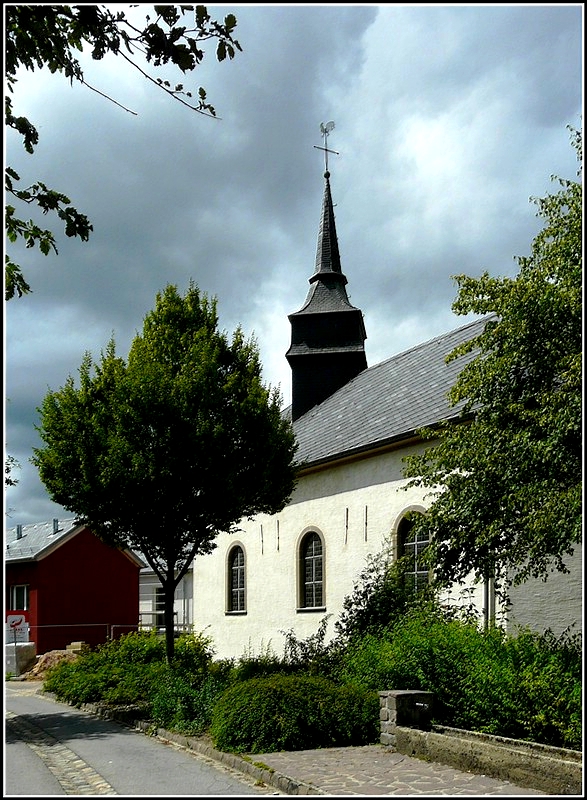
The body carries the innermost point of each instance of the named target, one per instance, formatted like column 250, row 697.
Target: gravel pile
column 46, row 661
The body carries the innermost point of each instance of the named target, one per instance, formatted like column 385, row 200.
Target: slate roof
column 327, row 252
column 36, row 539
column 327, row 295
column 40, row 538
column 385, row 403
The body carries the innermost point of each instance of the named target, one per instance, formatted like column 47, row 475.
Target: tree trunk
column 169, row 590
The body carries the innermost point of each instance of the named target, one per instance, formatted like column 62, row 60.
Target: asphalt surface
column 61, row 750
column 52, row 748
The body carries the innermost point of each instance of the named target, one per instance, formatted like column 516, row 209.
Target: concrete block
column 20, row 657
column 77, row 647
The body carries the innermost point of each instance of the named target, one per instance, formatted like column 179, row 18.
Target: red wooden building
column 69, row 585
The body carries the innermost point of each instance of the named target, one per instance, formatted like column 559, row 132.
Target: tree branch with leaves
column 45, row 36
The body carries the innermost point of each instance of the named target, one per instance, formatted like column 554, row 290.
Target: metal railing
column 157, row 623
column 58, row 635
column 61, row 634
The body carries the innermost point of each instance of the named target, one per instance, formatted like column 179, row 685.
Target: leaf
column 230, row 22
column 202, row 16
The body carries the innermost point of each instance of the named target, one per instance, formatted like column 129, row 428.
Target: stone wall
column 405, row 726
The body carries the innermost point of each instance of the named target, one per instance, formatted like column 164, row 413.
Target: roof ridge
column 68, row 520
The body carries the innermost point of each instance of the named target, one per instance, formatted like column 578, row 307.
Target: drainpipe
column 485, row 604
column 488, row 601
column 492, row 600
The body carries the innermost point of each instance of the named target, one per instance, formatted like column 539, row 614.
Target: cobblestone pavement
column 378, row 770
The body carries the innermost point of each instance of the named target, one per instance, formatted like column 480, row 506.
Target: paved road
column 55, row 749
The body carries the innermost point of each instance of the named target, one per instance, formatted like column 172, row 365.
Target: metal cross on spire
column 325, row 130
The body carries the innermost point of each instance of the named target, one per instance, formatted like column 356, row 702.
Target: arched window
column 411, row 545
column 236, row 579
column 311, row 571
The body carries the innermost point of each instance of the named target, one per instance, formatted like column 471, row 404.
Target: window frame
column 418, row 578
column 14, row 604
column 234, row 550
column 313, row 534
column 159, row 608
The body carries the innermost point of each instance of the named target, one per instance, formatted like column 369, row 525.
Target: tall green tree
column 506, row 482
column 164, row 451
column 50, row 36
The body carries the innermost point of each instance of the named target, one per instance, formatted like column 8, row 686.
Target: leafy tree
column 49, row 36
column 164, row 451
column 510, row 502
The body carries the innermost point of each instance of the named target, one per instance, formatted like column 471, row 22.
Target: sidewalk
column 364, row 771
column 378, row 770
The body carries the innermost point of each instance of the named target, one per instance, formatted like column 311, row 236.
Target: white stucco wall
column 356, row 507
column 556, row 603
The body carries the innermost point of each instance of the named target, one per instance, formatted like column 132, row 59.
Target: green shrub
column 127, row 670
column 78, row 681
column 549, row 671
column 293, row 712
column 380, row 597
column 255, row 665
column 312, row 656
column 368, row 663
column 183, row 707
column 91, row 678
column 193, row 654
column 134, row 684
column 141, row 647
column 524, row 687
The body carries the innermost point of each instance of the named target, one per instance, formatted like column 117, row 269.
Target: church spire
column 328, row 334
column 327, row 253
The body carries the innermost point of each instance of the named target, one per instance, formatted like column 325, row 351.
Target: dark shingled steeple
column 328, row 333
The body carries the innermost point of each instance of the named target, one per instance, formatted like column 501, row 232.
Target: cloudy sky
column 448, row 119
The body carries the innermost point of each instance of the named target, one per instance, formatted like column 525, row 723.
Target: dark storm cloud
column 448, row 118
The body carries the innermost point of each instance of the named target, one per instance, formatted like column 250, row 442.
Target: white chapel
column 354, row 424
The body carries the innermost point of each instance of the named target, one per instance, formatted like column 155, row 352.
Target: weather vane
column 325, row 130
